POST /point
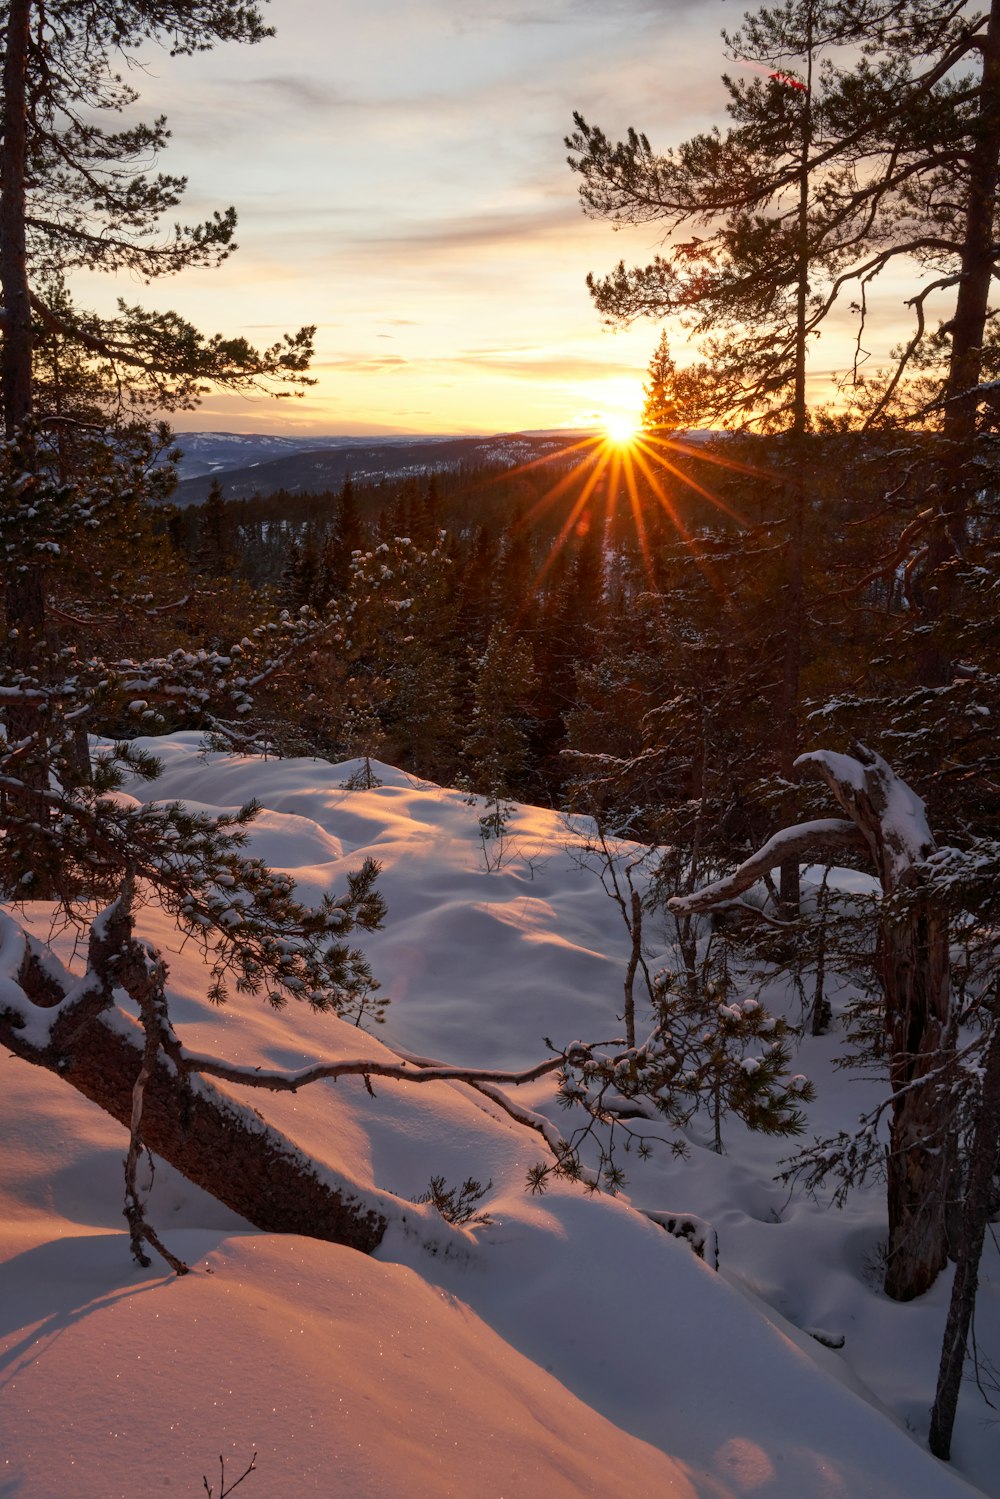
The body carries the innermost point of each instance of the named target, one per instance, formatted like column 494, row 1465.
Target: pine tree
column 80, row 192
column 836, row 167
column 884, row 151
column 214, row 545
column 66, row 837
column 497, row 748
column 659, row 411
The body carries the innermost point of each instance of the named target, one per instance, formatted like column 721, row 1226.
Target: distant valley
column 250, row 464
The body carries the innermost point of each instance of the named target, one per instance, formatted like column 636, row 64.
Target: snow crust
column 569, row 1347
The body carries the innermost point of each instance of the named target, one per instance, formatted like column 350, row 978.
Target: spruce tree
column 497, row 748
column 348, row 534
column 214, row 546
column 659, row 410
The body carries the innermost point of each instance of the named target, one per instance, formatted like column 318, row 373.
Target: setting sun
column 620, row 430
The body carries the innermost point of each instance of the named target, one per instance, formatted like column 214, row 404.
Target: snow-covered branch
column 882, row 807
column 822, row 835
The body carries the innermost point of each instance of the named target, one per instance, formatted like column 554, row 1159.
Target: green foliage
column 708, row 1049
column 660, row 410
column 67, row 834
column 728, row 1053
column 458, row 1204
column 90, row 200
column 497, row 747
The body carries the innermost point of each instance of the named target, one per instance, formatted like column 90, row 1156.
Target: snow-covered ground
column 569, row 1347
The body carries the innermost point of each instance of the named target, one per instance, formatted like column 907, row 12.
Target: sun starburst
column 619, row 469
column 620, row 431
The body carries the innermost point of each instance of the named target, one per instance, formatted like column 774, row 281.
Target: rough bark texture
column 978, row 268
column 915, row 976
column 915, row 979
column 24, row 599
column 27, row 646
column 795, row 490
column 16, row 357
column 211, row 1139
column 975, row 1216
column 959, row 474
column 887, row 818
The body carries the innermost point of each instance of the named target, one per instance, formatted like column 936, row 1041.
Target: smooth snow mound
column 567, row 1348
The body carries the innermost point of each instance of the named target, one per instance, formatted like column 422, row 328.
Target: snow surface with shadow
column 568, row 1347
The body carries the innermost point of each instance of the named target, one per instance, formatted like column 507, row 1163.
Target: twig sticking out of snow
column 223, row 1490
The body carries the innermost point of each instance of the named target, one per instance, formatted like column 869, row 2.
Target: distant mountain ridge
column 249, row 464
column 205, row 454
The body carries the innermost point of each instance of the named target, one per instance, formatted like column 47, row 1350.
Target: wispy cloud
column 526, row 364
column 399, row 170
column 472, row 231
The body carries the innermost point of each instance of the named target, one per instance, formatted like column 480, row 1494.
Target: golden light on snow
column 745, row 1463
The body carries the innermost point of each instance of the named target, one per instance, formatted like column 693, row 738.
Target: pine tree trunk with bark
column 213, row 1140
column 959, row 478
column 142, row 1075
column 28, row 643
column 975, row 1216
column 887, row 819
column 915, row 976
column 17, row 332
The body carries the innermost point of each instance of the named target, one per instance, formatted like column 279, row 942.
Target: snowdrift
column 566, row 1347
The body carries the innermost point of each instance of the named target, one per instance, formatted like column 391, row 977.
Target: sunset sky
column 400, row 176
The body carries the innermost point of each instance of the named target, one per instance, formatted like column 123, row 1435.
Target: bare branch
column 402, row 1071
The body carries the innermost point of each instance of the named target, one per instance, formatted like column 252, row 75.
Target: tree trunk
column 795, row 489
column 915, row 979
column 821, row 1014
column 28, row 644
column 793, row 610
column 634, row 924
column 977, row 271
column 916, row 983
column 213, row 1140
column 958, row 478
column 888, row 819
column 17, row 336
column 975, row 1216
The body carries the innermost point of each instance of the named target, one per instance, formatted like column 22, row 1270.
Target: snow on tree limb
column 887, row 819
column 885, row 809
column 213, row 1139
column 823, row 834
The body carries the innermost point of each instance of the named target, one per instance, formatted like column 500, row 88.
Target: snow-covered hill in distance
column 568, row 1348
column 245, row 464
column 209, row 453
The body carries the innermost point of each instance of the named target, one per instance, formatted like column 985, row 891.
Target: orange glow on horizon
column 622, row 465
